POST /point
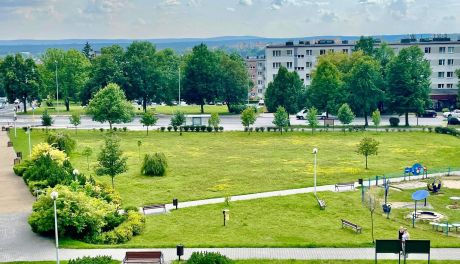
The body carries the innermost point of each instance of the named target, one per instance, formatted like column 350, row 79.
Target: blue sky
column 58, row 19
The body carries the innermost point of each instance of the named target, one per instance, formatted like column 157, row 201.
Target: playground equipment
column 434, row 186
column 415, row 170
column 386, row 206
column 417, row 196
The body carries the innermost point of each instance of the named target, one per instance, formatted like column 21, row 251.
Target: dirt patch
column 409, row 185
column 451, row 183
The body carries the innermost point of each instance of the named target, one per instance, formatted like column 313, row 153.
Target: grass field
column 205, row 165
column 270, row 261
column 290, row 221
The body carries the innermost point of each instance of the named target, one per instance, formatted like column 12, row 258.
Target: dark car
column 453, row 121
column 428, row 113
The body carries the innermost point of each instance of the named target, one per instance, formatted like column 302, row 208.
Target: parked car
column 453, row 121
column 454, row 113
column 302, row 115
column 428, row 113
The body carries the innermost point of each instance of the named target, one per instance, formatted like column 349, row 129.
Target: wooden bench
column 154, row 206
column 344, row 184
column 321, row 203
column 143, row 257
column 356, row 227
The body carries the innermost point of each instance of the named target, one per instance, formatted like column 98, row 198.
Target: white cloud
column 230, row 9
column 245, row 2
column 171, row 2
column 104, row 6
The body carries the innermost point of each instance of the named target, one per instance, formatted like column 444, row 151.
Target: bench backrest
column 153, row 206
column 349, row 223
column 142, row 255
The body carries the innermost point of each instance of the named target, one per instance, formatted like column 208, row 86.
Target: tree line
column 369, row 79
column 143, row 72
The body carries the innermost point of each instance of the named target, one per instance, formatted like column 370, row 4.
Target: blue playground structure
column 434, row 186
column 416, row 170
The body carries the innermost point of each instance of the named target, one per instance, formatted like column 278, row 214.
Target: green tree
column 111, row 160
column 88, row 51
column 326, row 89
column 345, row 115
column 149, row 119
column 139, row 144
column 372, row 202
column 312, row 118
column 214, row 120
column 364, row 84
column 248, row 117
column 200, row 82
column 21, row 79
column 281, row 118
column 367, row 147
column 72, row 69
column 408, row 82
column 87, row 152
column 285, row 91
column 61, row 141
column 365, row 44
column 110, row 105
column 167, row 64
column 376, row 118
column 47, row 120
column 75, row 120
column 178, row 119
column 384, row 54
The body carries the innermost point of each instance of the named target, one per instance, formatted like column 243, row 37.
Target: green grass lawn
column 205, row 165
column 289, row 221
column 272, row 261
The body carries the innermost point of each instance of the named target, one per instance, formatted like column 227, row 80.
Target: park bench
column 344, row 184
column 321, row 203
column 154, row 206
column 358, row 128
column 144, row 257
column 356, row 227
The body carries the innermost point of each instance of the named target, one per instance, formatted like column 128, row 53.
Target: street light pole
column 54, row 196
column 14, row 119
column 30, row 145
column 315, row 152
column 57, row 87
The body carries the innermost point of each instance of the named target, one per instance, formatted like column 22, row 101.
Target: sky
column 144, row 19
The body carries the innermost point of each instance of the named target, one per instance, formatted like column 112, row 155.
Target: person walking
column 405, row 237
column 400, row 237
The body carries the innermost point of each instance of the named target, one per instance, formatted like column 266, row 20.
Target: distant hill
column 245, row 45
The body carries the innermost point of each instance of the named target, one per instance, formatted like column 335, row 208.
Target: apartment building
column 442, row 53
column 256, row 71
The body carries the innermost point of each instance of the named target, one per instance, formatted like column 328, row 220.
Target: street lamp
column 315, row 152
column 14, row 119
column 57, row 87
column 30, row 144
column 54, row 196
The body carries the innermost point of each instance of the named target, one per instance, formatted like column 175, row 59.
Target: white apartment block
column 442, row 53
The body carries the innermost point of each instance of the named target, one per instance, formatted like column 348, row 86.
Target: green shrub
column 221, row 128
column 101, row 129
column 19, row 169
column 262, row 129
column 237, row 109
column 186, row 128
column 216, row 129
column 133, row 225
column 445, row 109
column 162, row 129
column 175, row 128
column 125, row 129
column 430, row 129
column 209, row 128
column 208, row 258
column 394, row 121
column 131, row 208
column 92, row 260
column 154, row 164
column 197, row 129
column 61, row 141
column 169, row 128
column 46, row 169
column 257, row 129
column 203, row 128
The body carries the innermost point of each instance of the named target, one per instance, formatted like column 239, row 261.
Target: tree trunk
column 110, row 125
column 24, row 103
column 67, row 104
column 372, row 224
column 281, row 130
column 366, row 123
column 144, row 103
column 366, row 162
column 147, row 130
column 202, row 108
column 407, row 118
column 75, row 130
column 113, row 185
column 228, row 107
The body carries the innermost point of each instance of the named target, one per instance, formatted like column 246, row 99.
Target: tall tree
column 345, row 114
column 326, row 91
column 408, row 82
column 142, row 76
column 285, row 91
column 281, row 118
column 200, row 83
column 106, row 68
column 110, row 105
column 72, row 70
column 364, row 84
column 365, row 44
column 21, row 79
column 88, row 51
column 111, row 159
column 167, row 65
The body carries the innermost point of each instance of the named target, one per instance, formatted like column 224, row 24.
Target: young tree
column 88, row 51
column 365, row 44
column 281, row 118
column 47, row 120
column 248, row 117
column 408, row 82
column 345, row 115
column 214, row 121
column 285, row 91
column 139, row 144
column 372, row 203
column 367, row 147
column 312, row 118
column 149, row 119
column 178, row 119
column 376, row 118
column 87, row 152
column 75, row 120
column 110, row 105
column 111, row 159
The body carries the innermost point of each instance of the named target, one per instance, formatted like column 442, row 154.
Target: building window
column 450, row 49
column 450, row 62
column 442, row 49
column 307, row 76
column 322, row 52
column 260, row 82
column 302, row 80
column 309, row 52
column 427, row 49
column 440, row 85
column 442, row 62
column 276, row 53
column 276, row 65
column 309, row 64
column 345, row 51
column 450, row 74
column 450, row 85
column 253, row 76
column 300, row 56
column 259, row 65
column 289, row 64
column 331, row 50
column 260, row 73
column 440, row 74
column 259, row 90
column 289, row 52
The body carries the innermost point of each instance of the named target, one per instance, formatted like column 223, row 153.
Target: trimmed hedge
column 447, row 130
column 208, row 258
column 93, row 260
column 394, row 121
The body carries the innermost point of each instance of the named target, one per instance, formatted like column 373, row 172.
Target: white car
column 302, row 115
column 455, row 113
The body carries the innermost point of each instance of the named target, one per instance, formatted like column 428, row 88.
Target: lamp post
column 315, row 152
column 57, row 87
column 30, row 144
column 54, row 196
column 14, row 119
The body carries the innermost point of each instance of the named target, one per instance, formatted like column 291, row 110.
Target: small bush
column 387, row 129
column 203, row 128
column 394, row 121
column 221, row 128
column 154, row 164
column 101, row 129
column 131, row 209
column 209, row 129
column 208, row 258
column 430, row 129
column 19, row 169
column 133, row 225
column 251, row 129
column 61, row 141
column 445, row 109
column 257, row 129
column 438, row 130
column 92, row 260
column 125, row 129
column 175, row 128
column 115, row 129
column 163, row 129
column 169, row 128
column 268, row 129
column 237, row 109
column 216, row 129
column 186, row 128
column 262, row 129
